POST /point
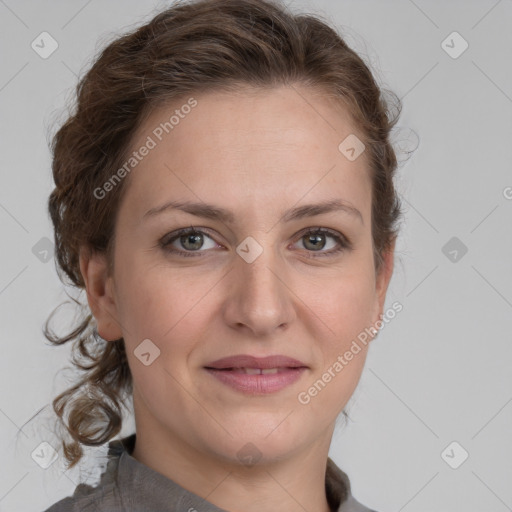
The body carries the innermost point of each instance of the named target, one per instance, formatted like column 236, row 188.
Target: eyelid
column 168, row 238
column 327, row 231
column 343, row 242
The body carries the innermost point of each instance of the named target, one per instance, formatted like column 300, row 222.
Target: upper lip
column 247, row 361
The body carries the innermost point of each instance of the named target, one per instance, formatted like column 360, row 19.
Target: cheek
column 159, row 311
column 167, row 308
column 345, row 305
column 323, row 399
column 150, row 296
column 148, row 308
column 346, row 310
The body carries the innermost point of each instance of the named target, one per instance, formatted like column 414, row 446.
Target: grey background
column 438, row 373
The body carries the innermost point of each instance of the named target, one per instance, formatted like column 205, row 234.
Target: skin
column 257, row 153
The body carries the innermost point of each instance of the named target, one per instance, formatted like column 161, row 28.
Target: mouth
column 244, row 361
column 254, row 371
column 257, row 376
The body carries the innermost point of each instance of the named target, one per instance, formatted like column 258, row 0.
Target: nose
column 259, row 299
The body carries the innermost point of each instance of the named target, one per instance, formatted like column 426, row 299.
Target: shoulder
column 352, row 505
column 103, row 497
column 89, row 499
column 339, row 491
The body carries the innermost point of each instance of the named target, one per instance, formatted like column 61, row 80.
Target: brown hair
column 193, row 46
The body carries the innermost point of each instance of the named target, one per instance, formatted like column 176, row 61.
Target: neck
column 294, row 484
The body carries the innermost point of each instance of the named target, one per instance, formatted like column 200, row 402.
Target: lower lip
column 258, row 384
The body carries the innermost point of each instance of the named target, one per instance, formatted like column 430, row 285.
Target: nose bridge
column 259, row 298
column 261, row 277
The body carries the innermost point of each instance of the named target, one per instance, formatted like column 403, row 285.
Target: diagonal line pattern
column 198, row 402
column 419, row 213
column 495, row 289
column 404, row 403
column 485, row 14
column 491, row 419
column 403, row 506
column 217, row 486
column 286, row 491
column 484, row 218
column 13, row 13
column 185, row 185
column 279, row 424
column 420, row 80
column 13, row 486
column 69, row 478
column 508, row 508
column 14, row 218
column 69, row 69
column 424, row 14
column 13, row 279
column 9, row 418
column 75, row 15
column 111, row 316
column 29, row 420
column 492, row 81
column 11, row 79
column 192, row 307
column 305, row 194
column 291, row 85
column 407, row 295
column 301, row 301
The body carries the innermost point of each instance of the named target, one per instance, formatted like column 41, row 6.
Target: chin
column 260, row 443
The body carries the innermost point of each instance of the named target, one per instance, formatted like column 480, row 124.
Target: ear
column 100, row 293
column 382, row 280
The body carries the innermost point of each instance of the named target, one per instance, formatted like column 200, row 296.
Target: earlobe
column 100, row 296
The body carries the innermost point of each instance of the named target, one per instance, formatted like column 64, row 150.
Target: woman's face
column 258, row 281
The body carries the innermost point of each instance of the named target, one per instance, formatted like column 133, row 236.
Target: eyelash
column 344, row 244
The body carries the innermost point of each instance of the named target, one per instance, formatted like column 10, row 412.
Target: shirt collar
column 140, row 486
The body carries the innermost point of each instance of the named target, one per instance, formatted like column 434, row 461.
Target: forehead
column 252, row 145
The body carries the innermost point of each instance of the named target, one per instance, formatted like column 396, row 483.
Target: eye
column 190, row 242
column 191, row 239
column 314, row 241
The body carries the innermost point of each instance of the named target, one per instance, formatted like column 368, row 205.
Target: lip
column 247, row 361
column 227, row 371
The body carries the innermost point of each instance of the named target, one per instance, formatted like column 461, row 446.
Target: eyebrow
column 209, row 211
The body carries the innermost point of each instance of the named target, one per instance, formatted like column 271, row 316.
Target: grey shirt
column 127, row 485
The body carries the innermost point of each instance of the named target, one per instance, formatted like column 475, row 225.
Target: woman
column 224, row 193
